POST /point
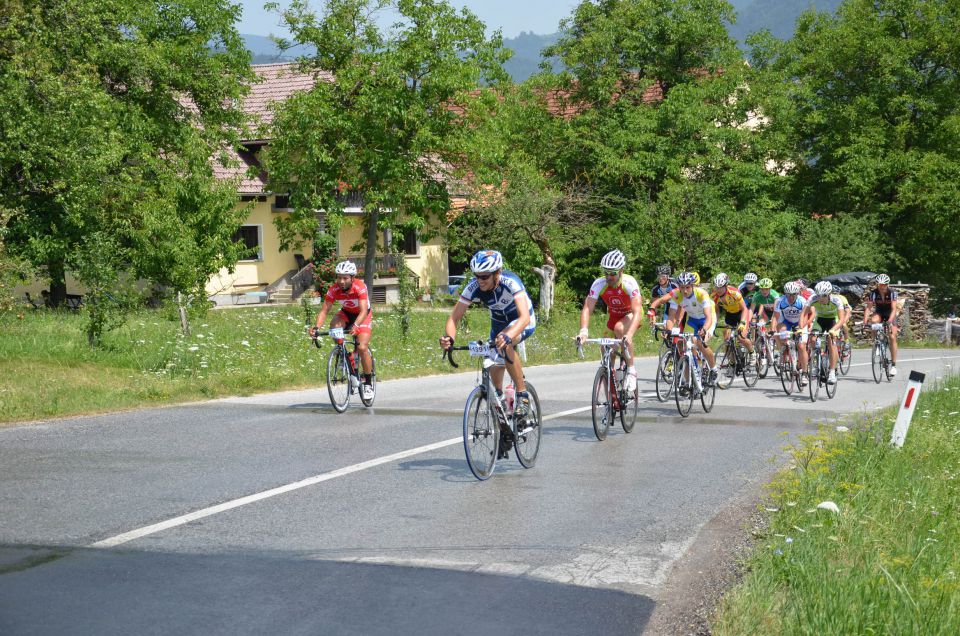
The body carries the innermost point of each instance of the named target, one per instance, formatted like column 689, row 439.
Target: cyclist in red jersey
column 355, row 316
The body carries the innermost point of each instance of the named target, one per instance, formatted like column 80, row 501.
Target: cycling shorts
column 732, row 320
column 696, row 324
column 496, row 328
column 826, row 324
column 349, row 319
column 613, row 319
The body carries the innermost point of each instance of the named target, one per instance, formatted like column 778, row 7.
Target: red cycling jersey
column 350, row 304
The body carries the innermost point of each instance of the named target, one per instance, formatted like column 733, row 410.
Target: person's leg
column 620, row 329
column 363, row 348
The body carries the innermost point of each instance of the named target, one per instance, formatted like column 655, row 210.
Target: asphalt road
column 274, row 514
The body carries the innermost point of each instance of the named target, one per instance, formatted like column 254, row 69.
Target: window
column 281, row 202
column 410, row 242
column 249, row 237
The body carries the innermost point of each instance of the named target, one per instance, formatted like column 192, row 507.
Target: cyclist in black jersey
column 882, row 306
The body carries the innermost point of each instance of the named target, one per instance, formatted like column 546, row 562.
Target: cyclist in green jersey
column 828, row 310
column 763, row 300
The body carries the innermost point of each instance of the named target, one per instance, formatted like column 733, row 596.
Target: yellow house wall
column 429, row 264
column 254, row 274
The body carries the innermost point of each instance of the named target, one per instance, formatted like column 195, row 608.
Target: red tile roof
column 279, row 81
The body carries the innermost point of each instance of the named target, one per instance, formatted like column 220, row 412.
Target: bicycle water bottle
column 509, row 396
column 351, row 361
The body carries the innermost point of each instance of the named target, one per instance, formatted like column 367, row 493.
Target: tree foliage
column 111, row 112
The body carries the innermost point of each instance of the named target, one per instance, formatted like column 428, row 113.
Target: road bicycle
column 790, row 374
column 610, row 397
column 691, row 377
column 666, row 361
column 344, row 372
column 763, row 345
column 734, row 361
column 818, row 362
column 844, row 353
column 487, row 417
column 880, row 361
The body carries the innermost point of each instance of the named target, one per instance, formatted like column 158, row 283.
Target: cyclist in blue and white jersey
column 664, row 286
column 512, row 319
column 701, row 315
column 786, row 318
column 748, row 287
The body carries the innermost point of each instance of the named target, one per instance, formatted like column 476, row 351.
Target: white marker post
column 907, row 406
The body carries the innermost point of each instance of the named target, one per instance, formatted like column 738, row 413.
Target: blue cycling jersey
column 501, row 300
column 790, row 312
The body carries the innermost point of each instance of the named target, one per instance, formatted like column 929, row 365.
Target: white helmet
column 686, row 278
column 721, row 280
column 750, row 277
column 823, row 288
column 791, row 287
column 613, row 260
column 883, row 279
column 346, row 267
column 486, row 261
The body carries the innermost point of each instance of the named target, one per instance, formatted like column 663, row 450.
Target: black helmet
column 664, row 270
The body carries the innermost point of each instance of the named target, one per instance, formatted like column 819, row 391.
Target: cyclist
column 882, row 306
column 762, row 301
column 512, row 319
column 828, row 311
column 786, row 318
column 748, row 287
column 621, row 294
column 700, row 312
column 664, row 286
column 846, row 307
column 355, row 316
column 736, row 314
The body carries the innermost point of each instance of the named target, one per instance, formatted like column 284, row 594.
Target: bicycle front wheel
column 481, row 434
column 763, row 357
column 846, row 357
column 373, row 383
column 709, row 393
column 825, row 370
column 876, row 362
column 814, row 377
column 728, row 365
column 528, row 431
column 664, row 380
column 338, row 379
column 751, row 373
column 600, row 406
column 786, row 373
column 684, row 389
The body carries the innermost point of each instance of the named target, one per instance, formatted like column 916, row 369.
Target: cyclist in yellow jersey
column 701, row 315
column 736, row 313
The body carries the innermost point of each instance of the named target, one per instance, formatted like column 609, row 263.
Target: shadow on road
column 139, row 592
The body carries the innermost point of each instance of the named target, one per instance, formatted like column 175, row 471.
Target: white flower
column 245, row 343
column 193, row 348
column 842, row 429
column 828, row 505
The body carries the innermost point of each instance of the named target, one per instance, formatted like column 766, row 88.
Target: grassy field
column 47, row 370
column 889, row 561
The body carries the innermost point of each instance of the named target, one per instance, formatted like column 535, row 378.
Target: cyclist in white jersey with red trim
column 621, row 294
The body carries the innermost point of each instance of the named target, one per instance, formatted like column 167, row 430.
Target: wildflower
column 789, row 540
column 828, row 505
column 193, row 348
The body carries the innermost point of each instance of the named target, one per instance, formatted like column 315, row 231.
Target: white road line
column 907, row 360
column 297, row 485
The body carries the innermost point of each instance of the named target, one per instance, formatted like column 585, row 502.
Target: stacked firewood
column 914, row 309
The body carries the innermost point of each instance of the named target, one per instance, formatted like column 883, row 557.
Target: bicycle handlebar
column 448, row 353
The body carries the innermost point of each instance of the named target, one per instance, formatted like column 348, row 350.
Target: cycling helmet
column 613, row 260
column 664, row 270
column 792, row 287
column 696, row 278
column 721, row 280
column 750, row 278
column 765, row 283
column 346, row 267
column 823, row 288
column 486, row 261
column 883, row 279
column 686, row 278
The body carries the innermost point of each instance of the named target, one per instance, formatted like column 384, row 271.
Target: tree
column 382, row 118
column 111, row 113
column 867, row 102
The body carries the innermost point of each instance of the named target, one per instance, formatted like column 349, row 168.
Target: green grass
column 889, row 562
column 47, row 370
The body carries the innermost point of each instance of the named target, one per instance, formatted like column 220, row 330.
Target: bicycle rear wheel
column 683, row 391
column 629, row 405
column 528, row 431
column 338, row 379
column 728, row 365
column 600, row 406
column 763, row 357
column 481, row 434
column 373, row 383
column 664, row 380
column 876, row 362
column 887, row 362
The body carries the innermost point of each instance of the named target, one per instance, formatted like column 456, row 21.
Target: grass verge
column 889, row 561
column 47, row 370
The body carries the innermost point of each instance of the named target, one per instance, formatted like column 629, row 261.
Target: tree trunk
column 184, row 320
column 370, row 257
column 548, row 274
column 58, row 282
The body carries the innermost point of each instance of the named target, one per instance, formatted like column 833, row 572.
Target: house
column 279, row 275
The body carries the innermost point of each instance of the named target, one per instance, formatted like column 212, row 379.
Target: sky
column 512, row 16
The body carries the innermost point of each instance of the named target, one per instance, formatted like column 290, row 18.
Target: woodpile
column 914, row 311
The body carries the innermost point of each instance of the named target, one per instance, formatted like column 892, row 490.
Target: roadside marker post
column 907, row 406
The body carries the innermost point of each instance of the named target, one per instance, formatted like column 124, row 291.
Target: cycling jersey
column 662, row 290
column 882, row 303
column 730, row 301
column 829, row 309
column 617, row 299
column 501, row 300
column 695, row 305
column 790, row 312
column 349, row 300
column 767, row 302
column 747, row 293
